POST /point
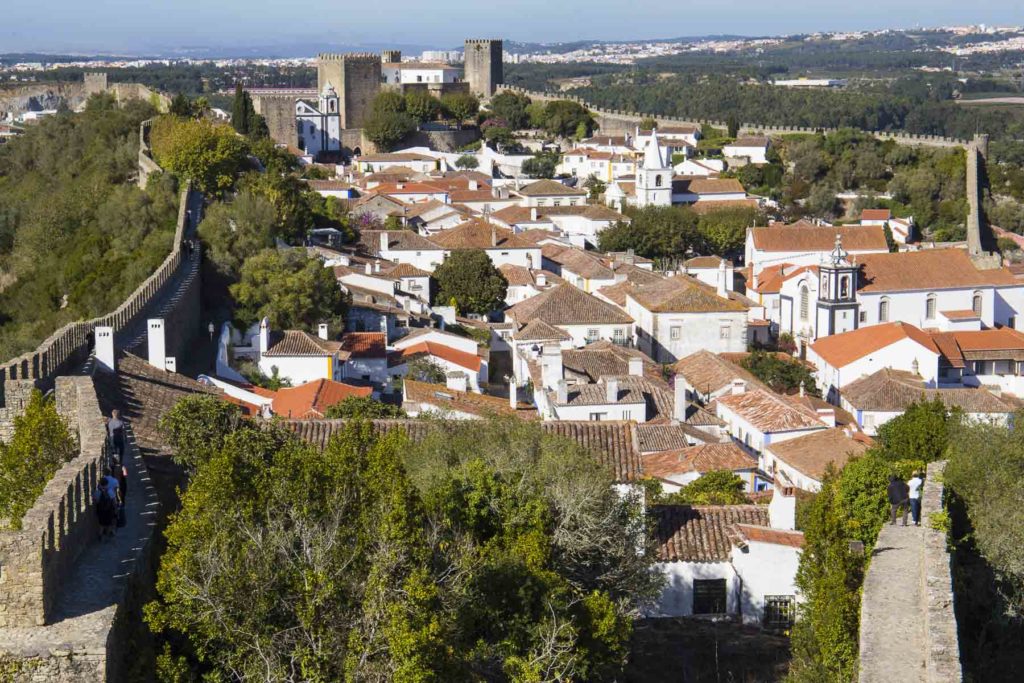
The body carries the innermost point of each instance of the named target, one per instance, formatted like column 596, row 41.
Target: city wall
column 617, row 122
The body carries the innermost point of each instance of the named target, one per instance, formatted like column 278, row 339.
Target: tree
column 39, row 446
column 541, row 165
column 195, row 428
column 459, row 106
column 718, row 487
column 244, row 118
column 512, row 107
column 732, row 126
column 783, row 375
column 565, row 118
column 467, row 162
column 470, row 279
column 724, row 231
column 209, row 154
column 388, row 102
column 595, row 186
column 648, row 123
column 235, row 231
column 363, row 408
column 654, row 232
column 180, row 106
column 920, row 433
column 422, row 106
column 292, row 200
column 291, row 289
column 889, row 241
column 389, row 128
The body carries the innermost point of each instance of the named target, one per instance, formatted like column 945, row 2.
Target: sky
column 158, row 26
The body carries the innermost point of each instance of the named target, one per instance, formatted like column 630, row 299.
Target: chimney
column 457, row 381
column 782, row 508
column 611, row 385
column 533, row 213
column 738, row 387
column 474, row 185
column 542, row 280
column 264, row 336
column 157, row 343
column 321, row 331
column 104, row 352
column 384, row 241
column 636, row 366
column 513, row 391
column 827, row 415
column 679, row 402
column 563, row 392
column 722, row 291
column 494, row 235
column 551, row 365
column 801, row 388
column 376, row 266
column 369, row 268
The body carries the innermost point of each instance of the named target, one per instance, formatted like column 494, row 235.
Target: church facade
column 319, row 127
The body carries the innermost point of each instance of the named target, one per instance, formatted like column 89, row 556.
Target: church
column 319, row 127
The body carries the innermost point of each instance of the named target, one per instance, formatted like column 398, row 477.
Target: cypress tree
column 239, row 113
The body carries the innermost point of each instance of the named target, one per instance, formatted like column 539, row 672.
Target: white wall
column 677, row 597
column 636, row 412
column 528, row 258
column 360, row 368
column 899, row 355
column 697, row 331
column 426, row 260
column 298, row 369
column 765, row 569
column 604, row 331
column 464, row 344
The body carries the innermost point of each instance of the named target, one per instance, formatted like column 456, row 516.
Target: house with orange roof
column 500, row 244
column 312, row 399
column 454, row 403
column 678, row 467
column 806, row 244
column 366, row 357
column 421, row 163
column 451, row 360
column 297, row 356
column 805, row 459
column 757, row 418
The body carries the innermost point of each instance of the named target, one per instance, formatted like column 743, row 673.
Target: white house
column 500, row 244
column 679, row 467
column 572, row 313
column 738, row 560
column 704, row 376
column 758, row 417
column 699, row 168
column 702, row 189
column 403, row 246
column 687, row 135
column 447, row 358
column 550, row 193
column 680, row 315
column 454, row 403
column 606, row 400
column 319, row 126
column 753, row 149
column 298, row 356
column 807, row 245
column 420, row 163
column 804, row 460
column 902, row 229
column 523, row 283
column 414, row 73
column 366, row 357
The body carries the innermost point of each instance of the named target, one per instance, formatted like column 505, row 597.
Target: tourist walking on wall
column 914, row 486
column 105, row 504
column 898, row 494
column 115, row 430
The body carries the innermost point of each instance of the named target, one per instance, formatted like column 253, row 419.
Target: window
column 618, row 335
column 627, row 415
column 593, row 335
column 709, row 596
column 597, row 417
column 976, row 303
column 805, row 302
column 844, row 287
column 779, row 611
column 724, row 331
column 419, row 79
column 883, row 310
column 863, row 316
column 929, row 307
column 657, row 181
column 675, row 332
column 556, row 202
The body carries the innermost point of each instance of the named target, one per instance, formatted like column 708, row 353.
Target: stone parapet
column 943, row 656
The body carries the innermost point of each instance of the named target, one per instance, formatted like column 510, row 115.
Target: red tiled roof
column 875, row 214
column 761, row 534
column 701, row 533
column 701, row 459
column 365, row 344
column 924, row 270
column 813, row 453
column 460, row 358
column 465, row 401
column 311, row 400
column 815, row 238
column 839, row 350
column 769, row 412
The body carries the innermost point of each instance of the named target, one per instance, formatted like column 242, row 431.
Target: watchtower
column 483, row 66
column 95, row 82
column 391, row 56
column 356, row 79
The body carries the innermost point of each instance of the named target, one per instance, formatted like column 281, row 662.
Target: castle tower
column 483, row 66
column 654, row 177
column 95, row 82
column 391, row 56
column 837, row 293
column 356, row 79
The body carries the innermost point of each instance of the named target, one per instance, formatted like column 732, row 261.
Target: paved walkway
column 894, row 647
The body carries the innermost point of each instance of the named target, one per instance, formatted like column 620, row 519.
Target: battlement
column 484, row 41
column 348, row 57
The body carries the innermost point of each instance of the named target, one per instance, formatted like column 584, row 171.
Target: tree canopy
column 921, row 432
column 364, row 408
column 291, row 289
column 470, row 279
column 495, row 551
column 209, row 154
column 784, row 375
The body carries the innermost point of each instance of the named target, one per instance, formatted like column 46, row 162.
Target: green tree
column 291, row 289
column 239, row 110
column 209, row 154
column 566, row 118
column 470, row 279
column 422, row 106
column 195, row 428
column 512, row 107
column 732, row 126
column 292, row 201
column 781, row 374
column 467, row 162
column 541, row 165
column 388, row 102
column 920, row 433
column 889, row 241
column 426, row 370
column 718, row 487
column 180, row 106
column 654, row 232
column 648, row 123
column 595, row 186
column 235, row 231
column 459, row 106
column 389, row 128
column 363, row 408
column 39, row 446
column 724, row 231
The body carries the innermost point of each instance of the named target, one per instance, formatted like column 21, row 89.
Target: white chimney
column 542, row 280
column 171, row 364
column 730, row 277
column 612, row 389
column 458, row 381
column 636, row 366
column 384, row 241
column 802, row 388
column 738, row 387
column 513, row 393
column 494, row 235
column 369, row 268
column 321, row 331
column 264, row 336
column 551, row 365
column 679, row 402
column 376, row 266
column 104, row 348
column 474, row 185
column 157, row 343
column 533, row 213
column 562, row 389
column 827, row 415
column 782, row 508
column 722, row 290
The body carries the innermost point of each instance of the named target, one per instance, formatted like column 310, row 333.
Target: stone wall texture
column 942, row 661
column 484, row 66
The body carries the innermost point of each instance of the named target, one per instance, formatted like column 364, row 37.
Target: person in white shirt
column 915, row 484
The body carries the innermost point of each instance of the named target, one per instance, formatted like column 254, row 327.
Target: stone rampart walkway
column 892, row 641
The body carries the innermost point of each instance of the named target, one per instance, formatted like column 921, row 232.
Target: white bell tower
column 654, row 177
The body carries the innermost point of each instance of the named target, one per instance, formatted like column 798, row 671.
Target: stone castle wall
column 37, row 558
column 279, row 112
column 484, row 66
column 942, row 661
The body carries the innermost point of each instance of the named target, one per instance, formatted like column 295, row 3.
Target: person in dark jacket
column 899, row 495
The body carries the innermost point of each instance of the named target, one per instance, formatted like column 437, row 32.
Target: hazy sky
column 149, row 26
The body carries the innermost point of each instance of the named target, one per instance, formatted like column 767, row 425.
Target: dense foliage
column 782, row 374
column 40, row 445
column 291, row 289
column 718, row 487
column 211, row 155
column 76, row 234
column 196, row 426
column 921, row 432
column 493, row 552
column 364, row 408
column 677, row 232
column 470, row 280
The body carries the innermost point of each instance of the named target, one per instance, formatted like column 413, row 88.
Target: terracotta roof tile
column 701, row 533
column 700, row 185
column 813, row 453
column 550, row 188
column 429, row 348
column 768, row 412
column 441, row 396
column 875, row 215
column 701, row 459
column 311, row 400
column 708, row 373
column 893, row 390
column 300, row 343
column 480, row 234
column 596, row 395
column 603, row 358
column 839, row 350
column 924, row 270
column 682, row 294
column 818, row 238
column 761, row 534
column 538, row 330
column 365, row 344
column 567, row 305
column 706, row 206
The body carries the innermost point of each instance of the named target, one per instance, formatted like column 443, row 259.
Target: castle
column 330, row 119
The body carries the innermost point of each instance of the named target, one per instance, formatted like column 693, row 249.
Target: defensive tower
column 356, row 79
column 483, row 66
column 391, row 56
